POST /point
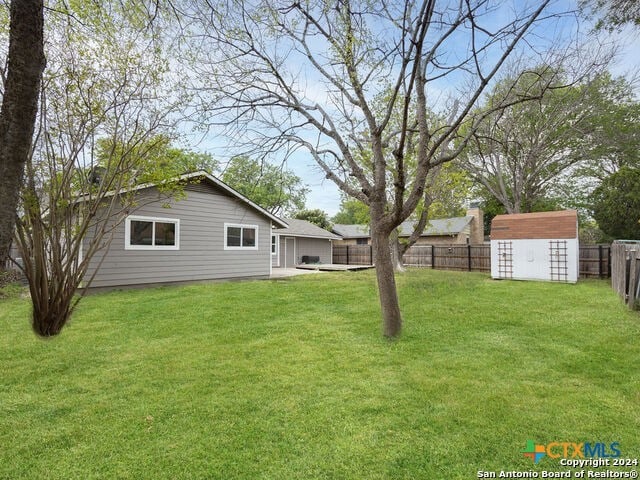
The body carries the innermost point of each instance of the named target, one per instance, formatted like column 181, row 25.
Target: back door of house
column 289, row 252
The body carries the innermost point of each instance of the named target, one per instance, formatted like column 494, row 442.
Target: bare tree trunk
column 26, row 63
column 391, row 317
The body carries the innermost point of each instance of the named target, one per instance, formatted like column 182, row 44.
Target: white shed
column 536, row 246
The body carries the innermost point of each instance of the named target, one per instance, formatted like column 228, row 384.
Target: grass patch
column 292, row 379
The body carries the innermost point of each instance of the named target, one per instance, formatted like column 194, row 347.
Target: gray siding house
column 213, row 233
column 301, row 242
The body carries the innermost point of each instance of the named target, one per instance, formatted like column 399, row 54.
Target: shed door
column 289, row 252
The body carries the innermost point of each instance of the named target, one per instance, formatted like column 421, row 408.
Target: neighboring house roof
column 441, row 226
column 208, row 178
column 351, row 231
column 559, row 224
column 303, row 228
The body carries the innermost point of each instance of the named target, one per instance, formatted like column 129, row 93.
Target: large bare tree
column 21, row 78
column 309, row 75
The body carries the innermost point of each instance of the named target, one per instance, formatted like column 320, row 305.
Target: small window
column 234, row 237
column 274, row 244
column 141, row 233
column 240, row 237
column 148, row 233
column 248, row 237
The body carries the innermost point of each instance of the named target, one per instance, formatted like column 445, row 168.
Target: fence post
column 600, row 266
column 633, row 275
column 370, row 254
column 433, row 257
column 609, row 261
column 348, row 254
column 469, row 256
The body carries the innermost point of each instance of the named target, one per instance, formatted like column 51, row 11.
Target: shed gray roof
column 441, row 226
column 351, row 231
column 303, row 228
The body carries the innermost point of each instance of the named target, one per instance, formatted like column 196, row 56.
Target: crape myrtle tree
column 21, row 71
column 98, row 131
column 304, row 75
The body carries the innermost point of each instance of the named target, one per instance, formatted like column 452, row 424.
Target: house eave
column 288, row 234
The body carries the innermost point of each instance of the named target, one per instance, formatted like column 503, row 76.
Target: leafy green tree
column 316, row 216
column 352, row 212
column 532, row 151
column 157, row 158
column 449, row 191
column 492, row 207
column 613, row 14
column 613, row 135
column 274, row 188
column 616, row 204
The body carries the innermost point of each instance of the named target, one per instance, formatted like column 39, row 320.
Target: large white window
column 240, row 237
column 151, row 233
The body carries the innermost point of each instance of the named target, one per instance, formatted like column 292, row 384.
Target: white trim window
column 240, row 237
column 151, row 233
column 275, row 243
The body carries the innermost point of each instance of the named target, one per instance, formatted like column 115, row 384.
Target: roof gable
column 234, row 193
column 216, row 182
column 558, row 224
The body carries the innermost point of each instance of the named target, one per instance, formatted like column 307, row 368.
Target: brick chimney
column 477, row 224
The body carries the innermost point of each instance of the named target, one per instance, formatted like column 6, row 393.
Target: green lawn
column 292, row 379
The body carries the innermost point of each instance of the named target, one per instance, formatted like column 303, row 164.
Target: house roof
column 210, row 179
column 303, row 228
column 439, row 226
column 351, row 231
column 558, row 224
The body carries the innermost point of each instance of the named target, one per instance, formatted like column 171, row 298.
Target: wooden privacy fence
column 625, row 272
column 594, row 259
column 472, row 258
column 352, row 254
